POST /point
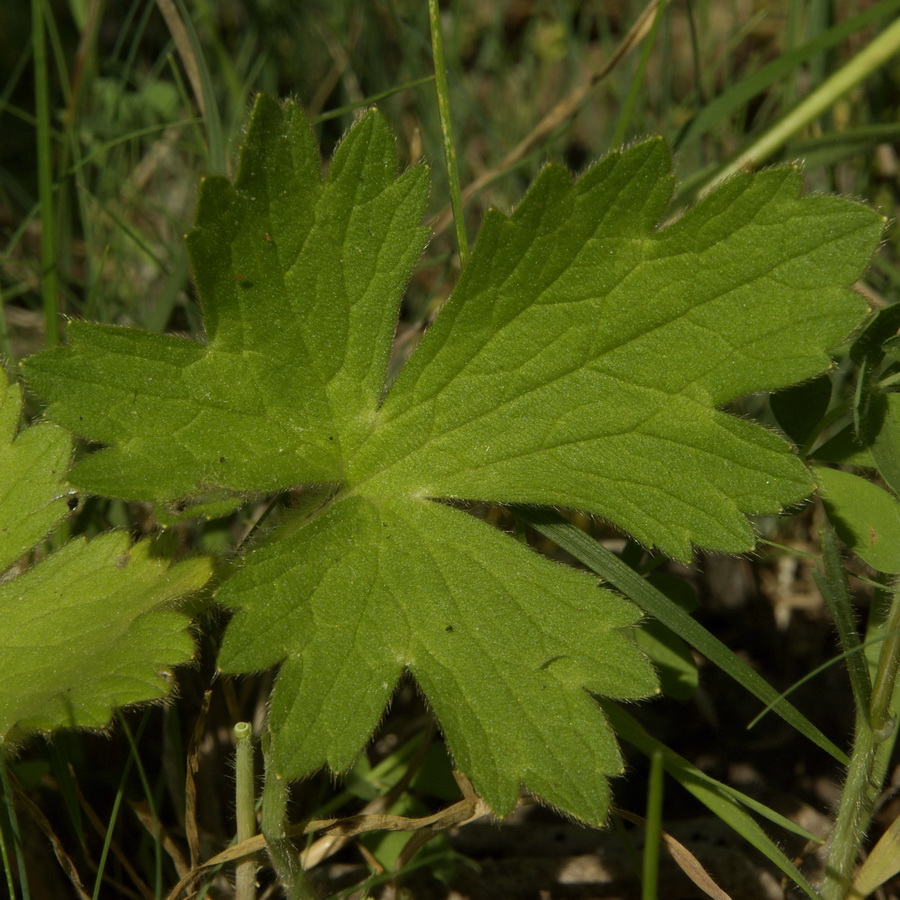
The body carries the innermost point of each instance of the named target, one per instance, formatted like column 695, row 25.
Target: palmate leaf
column 581, row 362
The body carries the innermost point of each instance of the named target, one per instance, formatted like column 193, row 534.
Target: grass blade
column 49, row 273
column 606, row 564
column 724, row 802
column 12, row 822
column 833, row 587
column 636, row 84
column 742, row 93
column 443, row 98
column 878, row 52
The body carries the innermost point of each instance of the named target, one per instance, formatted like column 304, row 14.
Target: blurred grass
column 135, row 115
column 131, row 110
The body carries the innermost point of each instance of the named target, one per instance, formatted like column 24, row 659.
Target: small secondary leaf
column 866, row 517
column 580, row 362
column 800, row 409
column 845, row 448
column 886, row 441
column 33, row 468
column 83, row 632
column 882, row 863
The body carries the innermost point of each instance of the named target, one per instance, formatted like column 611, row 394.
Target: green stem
column 853, row 815
column 49, row 276
column 883, row 688
column 879, row 51
column 833, row 587
column 873, row 726
column 283, row 854
column 653, row 828
column 245, row 809
column 443, row 98
column 636, row 84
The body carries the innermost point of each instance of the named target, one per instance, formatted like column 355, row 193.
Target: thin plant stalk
column 245, row 809
column 13, row 823
column 854, row 813
column 878, row 52
column 49, row 274
column 283, row 854
column 443, row 98
column 653, row 829
column 836, row 593
column 636, row 84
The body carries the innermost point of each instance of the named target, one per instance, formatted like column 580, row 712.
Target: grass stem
column 653, row 828
column 874, row 724
column 878, row 52
column 443, row 97
column 49, row 274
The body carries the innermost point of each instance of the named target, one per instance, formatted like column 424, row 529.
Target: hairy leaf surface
column 85, row 631
column 33, row 468
column 582, row 362
column 82, row 631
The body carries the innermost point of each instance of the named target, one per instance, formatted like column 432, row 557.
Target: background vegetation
column 109, row 114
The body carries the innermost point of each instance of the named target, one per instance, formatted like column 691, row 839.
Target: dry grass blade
column 350, row 826
column 326, row 846
column 423, row 836
column 142, row 811
column 121, row 858
column 685, row 860
column 190, row 785
column 185, row 50
column 564, row 110
column 41, row 821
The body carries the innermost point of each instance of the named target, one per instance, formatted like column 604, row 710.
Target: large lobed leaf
column 581, row 362
column 300, row 284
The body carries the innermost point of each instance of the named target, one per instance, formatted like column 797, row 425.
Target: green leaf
column 886, row 441
column 612, row 569
column 800, row 409
column 502, row 642
column 845, row 448
column 33, row 489
column 82, row 633
column 580, row 362
column 865, row 517
column 300, row 284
